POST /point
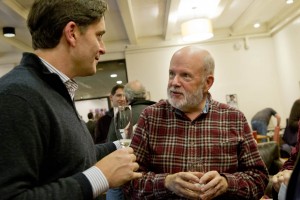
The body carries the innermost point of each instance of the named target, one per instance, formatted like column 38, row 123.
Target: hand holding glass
column 123, row 126
column 197, row 166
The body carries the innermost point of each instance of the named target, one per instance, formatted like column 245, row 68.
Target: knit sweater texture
column 44, row 145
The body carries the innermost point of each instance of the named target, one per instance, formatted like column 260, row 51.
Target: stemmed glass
column 123, row 124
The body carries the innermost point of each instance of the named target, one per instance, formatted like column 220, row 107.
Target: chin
column 88, row 73
column 92, row 70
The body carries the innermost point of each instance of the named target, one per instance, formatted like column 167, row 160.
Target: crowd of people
column 188, row 146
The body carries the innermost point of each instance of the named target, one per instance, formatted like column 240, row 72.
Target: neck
column 56, row 59
column 193, row 113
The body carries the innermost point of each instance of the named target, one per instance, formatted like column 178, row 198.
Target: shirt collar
column 204, row 110
column 206, row 107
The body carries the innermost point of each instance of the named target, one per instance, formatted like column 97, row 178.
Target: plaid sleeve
column 151, row 185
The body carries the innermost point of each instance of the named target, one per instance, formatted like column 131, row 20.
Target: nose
column 123, row 97
column 122, row 100
column 102, row 49
column 175, row 80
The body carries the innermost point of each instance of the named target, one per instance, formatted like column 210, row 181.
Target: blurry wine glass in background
column 123, row 124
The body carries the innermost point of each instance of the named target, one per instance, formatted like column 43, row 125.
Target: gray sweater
column 44, row 146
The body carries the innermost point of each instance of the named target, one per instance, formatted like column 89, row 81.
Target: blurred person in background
column 91, row 124
column 135, row 94
column 117, row 98
column 281, row 179
column 260, row 121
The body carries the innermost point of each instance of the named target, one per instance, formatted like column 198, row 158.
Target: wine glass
column 123, row 124
column 197, row 166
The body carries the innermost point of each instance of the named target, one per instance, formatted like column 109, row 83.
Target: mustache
column 173, row 89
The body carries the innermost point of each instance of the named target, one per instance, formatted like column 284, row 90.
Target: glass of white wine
column 123, row 124
column 197, row 166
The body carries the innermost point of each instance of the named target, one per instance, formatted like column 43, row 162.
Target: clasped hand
column 185, row 184
column 281, row 177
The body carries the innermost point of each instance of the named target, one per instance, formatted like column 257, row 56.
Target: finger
column 137, row 175
column 215, row 188
column 195, row 176
column 286, row 177
column 198, row 174
column 276, row 187
column 135, row 166
column 280, row 179
column 274, row 179
column 209, row 180
column 133, row 157
column 184, row 187
column 129, row 149
column 276, row 183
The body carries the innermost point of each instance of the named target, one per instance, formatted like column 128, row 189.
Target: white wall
column 266, row 74
column 8, row 62
column 248, row 73
column 151, row 67
column 287, row 54
column 4, row 68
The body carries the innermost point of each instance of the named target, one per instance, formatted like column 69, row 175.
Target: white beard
column 190, row 100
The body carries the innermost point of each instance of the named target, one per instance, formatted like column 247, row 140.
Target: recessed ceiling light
column 256, row 25
column 119, row 82
column 289, row 1
column 113, row 75
column 9, row 31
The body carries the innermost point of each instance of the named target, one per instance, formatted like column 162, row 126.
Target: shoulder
column 23, row 83
column 163, row 103
column 297, row 102
column 222, row 106
column 105, row 118
column 160, row 107
column 224, row 109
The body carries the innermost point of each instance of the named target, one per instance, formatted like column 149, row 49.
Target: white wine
column 125, row 142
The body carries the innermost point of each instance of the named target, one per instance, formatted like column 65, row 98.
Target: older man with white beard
column 192, row 128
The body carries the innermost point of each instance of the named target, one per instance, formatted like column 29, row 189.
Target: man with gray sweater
column 47, row 151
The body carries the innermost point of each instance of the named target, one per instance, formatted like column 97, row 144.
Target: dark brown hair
column 47, row 18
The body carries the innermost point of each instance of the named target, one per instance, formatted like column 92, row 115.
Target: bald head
column 134, row 90
column 195, row 57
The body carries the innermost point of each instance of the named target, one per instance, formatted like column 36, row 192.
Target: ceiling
column 140, row 24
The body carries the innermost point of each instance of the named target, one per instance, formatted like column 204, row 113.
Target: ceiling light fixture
column 256, row 25
column 197, row 30
column 289, row 1
column 113, row 75
column 9, row 31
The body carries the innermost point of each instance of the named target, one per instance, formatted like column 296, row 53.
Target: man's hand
column 214, row 185
column 184, row 184
column 281, row 177
column 119, row 167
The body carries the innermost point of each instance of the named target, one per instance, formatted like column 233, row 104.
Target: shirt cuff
column 97, row 179
column 117, row 144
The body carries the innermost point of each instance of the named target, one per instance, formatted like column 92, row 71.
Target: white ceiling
column 135, row 24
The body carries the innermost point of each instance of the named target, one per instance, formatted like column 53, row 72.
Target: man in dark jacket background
column 135, row 94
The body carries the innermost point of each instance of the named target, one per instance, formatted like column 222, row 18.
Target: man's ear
column 70, row 32
column 209, row 82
